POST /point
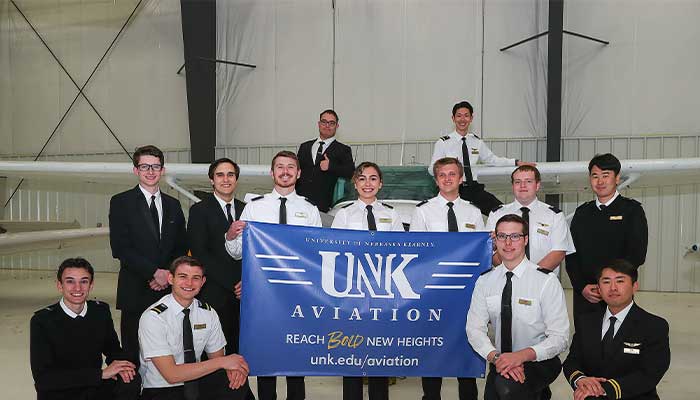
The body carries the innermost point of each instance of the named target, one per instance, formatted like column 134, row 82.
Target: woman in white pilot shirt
column 367, row 213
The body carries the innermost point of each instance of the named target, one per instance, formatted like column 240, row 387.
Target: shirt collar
column 170, row 301
column 362, row 205
column 620, row 315
column 70, row 312
column 149, row 194
column 443, row 201
column 457, row 136
column 327, row 142
column 531, row 206
column 221, row 201
column 291, row 195
column 518, row 271
column 607, row 203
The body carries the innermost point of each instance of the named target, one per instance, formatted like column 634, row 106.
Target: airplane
column 404, row 186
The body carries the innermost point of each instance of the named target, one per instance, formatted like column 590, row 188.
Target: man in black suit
column 146, row 233
column 621, row 352
column 206, row 230
column 322, row 162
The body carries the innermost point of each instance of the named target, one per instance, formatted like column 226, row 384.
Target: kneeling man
column 527, row 310
column 620, row 352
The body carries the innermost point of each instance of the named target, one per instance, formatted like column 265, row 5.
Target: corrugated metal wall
column 672, row 210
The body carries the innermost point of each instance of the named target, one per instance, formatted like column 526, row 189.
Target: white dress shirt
column 620, row 319
column 223, row 203
column 540, row 320
column 548, row 229
column 159, row 204
column 431, row 216
column 607, row 203
column 160, row 334
column 266, row 209
column 451, row 146
column 70, row 312
column 314, row 147
column 354, row 216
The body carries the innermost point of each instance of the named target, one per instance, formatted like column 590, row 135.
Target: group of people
column 180, row 313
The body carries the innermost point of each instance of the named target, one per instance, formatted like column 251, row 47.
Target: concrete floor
column 23, row 292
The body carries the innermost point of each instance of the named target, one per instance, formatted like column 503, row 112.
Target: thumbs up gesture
column 324, row 163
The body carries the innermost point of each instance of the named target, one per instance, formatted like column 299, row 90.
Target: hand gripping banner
column 322, row 301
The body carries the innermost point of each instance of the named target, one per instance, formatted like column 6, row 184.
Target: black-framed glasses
column 514, row 237
column 146, row 167
column 328, row 123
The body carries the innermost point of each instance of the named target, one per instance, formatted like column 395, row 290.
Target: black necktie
column 229, row 217
column 608, row 338
column 371, row 223
column 465, row 159
column 526, row 217
column 451, row 218
column 191, row 388
column 154, row 215
column 319, row 152
column 283, row 211
column 507, row 315
column 602, row 207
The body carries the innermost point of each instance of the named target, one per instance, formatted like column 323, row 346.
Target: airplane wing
column 14, row 243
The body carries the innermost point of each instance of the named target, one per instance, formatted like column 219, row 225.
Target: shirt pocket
column 526, row 310
column 493, row 305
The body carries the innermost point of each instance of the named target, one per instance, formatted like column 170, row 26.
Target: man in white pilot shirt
column 549, row 239
column 527, row 311
column 284, row 206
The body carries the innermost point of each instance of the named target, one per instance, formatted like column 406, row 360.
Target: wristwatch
column 495, row 357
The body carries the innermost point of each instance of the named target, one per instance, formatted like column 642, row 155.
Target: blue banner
column 322, row 301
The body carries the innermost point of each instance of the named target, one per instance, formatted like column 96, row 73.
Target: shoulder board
column 389, row 206
column 476, row 136
column 159, row 308
column 421, row 203
column 498, row 207
column 633, row 201
column 308, row 201
column 257, row 198
column 204, row 305
column 544, row 270
column 46, row 309
column 487, row 271
column 444, row 137
column 98, row 303
column 587, row 204
column 347, row 205
column 555, row 209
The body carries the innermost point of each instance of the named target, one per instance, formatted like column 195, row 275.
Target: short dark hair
column 214, row 165
column 148, row 150
column 514, row 218
column 284, row 153
column 331, row 112
column 77, row 262
column 447, row 161
column 462, row 104
column 364, row 165
column 527, row 168
column 191, row 261
column 606, row 162
column 619, row 265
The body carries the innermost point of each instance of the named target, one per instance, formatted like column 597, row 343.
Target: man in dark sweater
column 609, row 227
column 68, row 339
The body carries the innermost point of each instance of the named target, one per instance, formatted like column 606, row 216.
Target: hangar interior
column 93, row 80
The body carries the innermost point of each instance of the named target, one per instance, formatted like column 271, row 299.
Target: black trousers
column 378, row 388
column 538, row 375
column 474, row 193
column 433, row 386
column 129, row 327
column 267, row 388
column 211, row 387
column 109, row 389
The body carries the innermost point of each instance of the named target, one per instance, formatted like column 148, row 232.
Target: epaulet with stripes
column 421, row 203
column 308, row 201
column 347, row 205
column 544, row 270
column 257, row 198
column 555, row 209
column 444, row 137
column 476, row 136
column 389, row 206
column 204, row 305
column 498, row 207
column 46, row 309
column 486, row 272
column 159, row 308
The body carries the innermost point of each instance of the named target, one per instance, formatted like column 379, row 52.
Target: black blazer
column 135, row 243
column 206, row 228
column 317, row 185
column 641, row 354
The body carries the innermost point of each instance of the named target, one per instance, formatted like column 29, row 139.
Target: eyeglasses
column 514, row 237
column 146, row 167
column 328, row 123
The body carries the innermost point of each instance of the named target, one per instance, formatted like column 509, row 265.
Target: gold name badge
column 525, row 302
column 616, row 218
column 475, row 151
column 385, row 220
column 470, row 226
column 199, row 326
column 543, row 232
column 299, row 214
